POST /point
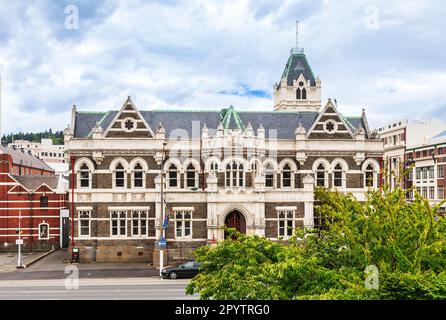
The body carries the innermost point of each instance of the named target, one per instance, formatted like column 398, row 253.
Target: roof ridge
column 92, row 112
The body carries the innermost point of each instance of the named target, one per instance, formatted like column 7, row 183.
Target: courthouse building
column 254, row 171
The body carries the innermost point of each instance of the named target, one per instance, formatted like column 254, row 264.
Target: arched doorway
column 236, row 220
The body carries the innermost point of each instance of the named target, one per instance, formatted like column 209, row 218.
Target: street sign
column 161, row 243
column 19, row 241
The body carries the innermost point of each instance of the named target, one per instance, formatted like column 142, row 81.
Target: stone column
column 212, row 214
column 308, row 182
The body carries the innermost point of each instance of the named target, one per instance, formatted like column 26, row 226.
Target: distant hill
column 56, row 136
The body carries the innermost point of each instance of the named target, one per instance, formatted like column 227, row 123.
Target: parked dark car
column 184, row 270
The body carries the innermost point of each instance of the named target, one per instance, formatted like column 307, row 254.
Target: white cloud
column 184, row 54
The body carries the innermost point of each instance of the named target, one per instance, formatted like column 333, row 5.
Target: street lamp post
column 163, row 231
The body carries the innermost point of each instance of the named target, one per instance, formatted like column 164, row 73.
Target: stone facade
column 252, row 171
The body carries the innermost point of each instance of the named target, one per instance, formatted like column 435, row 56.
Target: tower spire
column 296, row 49
column 297, row 33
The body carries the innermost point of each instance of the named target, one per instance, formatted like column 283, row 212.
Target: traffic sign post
column 19, row 243
column 161, row 245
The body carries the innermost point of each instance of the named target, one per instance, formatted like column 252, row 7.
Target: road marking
column 92, row 282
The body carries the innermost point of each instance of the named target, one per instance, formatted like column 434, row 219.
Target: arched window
column 286, row 176
column 191, row 176
column 371, row 175
column 214, row 167
column 298, row 94
column 321, row 176
column 338, row 176
column 304, row 94
column 269, row 176
column 138, row 176
column 84, row 176
column 255, row 167
column 235, row 175
column 173, row 176
column 119, row 176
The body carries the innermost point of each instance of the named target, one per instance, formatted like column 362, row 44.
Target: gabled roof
column 296, row 65
column 285, row 122
column 128, row 106
column 231, row 119
column 33, row 182
column 23, row 158
column 331, row 109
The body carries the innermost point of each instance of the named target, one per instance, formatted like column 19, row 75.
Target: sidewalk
column 53, row 266
column 8, row 260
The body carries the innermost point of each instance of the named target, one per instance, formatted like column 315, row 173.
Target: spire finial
column 297, row 33
column 296, row 49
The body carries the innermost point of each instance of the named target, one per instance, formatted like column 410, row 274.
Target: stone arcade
column 254, row 171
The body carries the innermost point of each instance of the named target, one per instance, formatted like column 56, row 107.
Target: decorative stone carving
column 300, row 132
column 301, row 157
column 359, row 157
column 160, row 132
column 360, row 134
column 212, row 182
column 119, row 197
column 68, row 134
column 249, row 131
column 204, row 132
column 84, row 197
column 97, row 132
column 138, row 197
column 261, row 132
column 98, row 157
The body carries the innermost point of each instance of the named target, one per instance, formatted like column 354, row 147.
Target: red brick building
column 31, row 193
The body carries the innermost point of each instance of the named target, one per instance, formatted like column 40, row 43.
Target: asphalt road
column 53, row 267
column 95, row 289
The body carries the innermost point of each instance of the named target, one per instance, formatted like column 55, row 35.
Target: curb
column 38, row 258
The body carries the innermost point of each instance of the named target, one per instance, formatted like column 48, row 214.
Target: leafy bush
column 406, row 241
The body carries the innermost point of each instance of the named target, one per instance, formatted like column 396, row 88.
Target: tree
column 404, row 241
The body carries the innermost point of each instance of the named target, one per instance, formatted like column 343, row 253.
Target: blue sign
column 161, row 243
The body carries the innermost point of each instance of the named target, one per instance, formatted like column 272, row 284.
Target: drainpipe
column 72, row 158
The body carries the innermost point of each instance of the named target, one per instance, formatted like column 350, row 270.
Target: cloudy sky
column 388, row 57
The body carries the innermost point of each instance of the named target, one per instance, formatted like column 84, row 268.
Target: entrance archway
column 236, row 220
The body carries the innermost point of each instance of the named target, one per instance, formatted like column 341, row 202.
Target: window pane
column 179, row 228
column 143, row 227
column 173, row 182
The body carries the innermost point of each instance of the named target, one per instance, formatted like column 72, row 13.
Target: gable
column 330, row 125
column 128, row 123
column 44, row 189
column 18, row 189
